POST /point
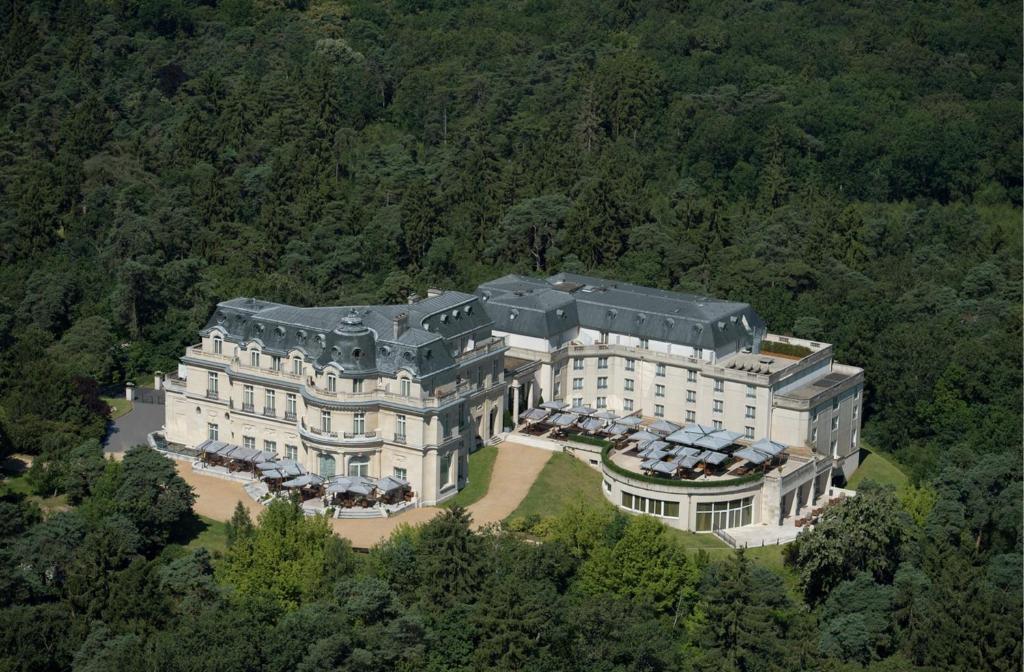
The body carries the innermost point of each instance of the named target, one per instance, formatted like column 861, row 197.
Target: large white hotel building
column 408, row 390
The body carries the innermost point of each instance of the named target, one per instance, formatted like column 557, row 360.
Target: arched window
column 359, row 465
column 326, row 465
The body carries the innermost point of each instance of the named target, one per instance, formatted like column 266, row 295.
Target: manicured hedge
column 749, row 478
column 787, row 349
column 592, row 440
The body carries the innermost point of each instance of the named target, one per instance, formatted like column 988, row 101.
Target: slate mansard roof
column 546, row 307
column 360, row 340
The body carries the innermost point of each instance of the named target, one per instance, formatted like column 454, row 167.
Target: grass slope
column 876, row 466
column 481, row 466
column 564, row 480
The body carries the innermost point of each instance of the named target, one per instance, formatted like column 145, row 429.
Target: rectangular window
column 627, row 384
column 602, row 362
column 750, row 412
column 748, row 432
column 856, row 412
column 602, row 337
column 691, row 376
column 835, row 403
column 332, row 383
column 691, row 396
column 297, row 366
column 577, row 363
column 290, row 406
column 291, row 452
column 406, row 387
column 558, row 389
column 602, row 402
column 401, row 473
column 218, row 346
column 814, row 434
column 254, row 359
column 269, row 402
column 719, row 385
column 627, row 404
column 717, row 424
column 577, row 401
column 691, row 416
column 655, row 507
column 722, row 515
column 659, row 411
column 659, row 370
column 602, row 383
column 275, row 363
column 659, row 390
column 577, row 383
column 211, row 385
column 212, row 431
column 835, row 423
column 718, row 406
column 644, row 344
column 357, row 385
column 700, row 353
column 630, row 365
column 249, row 442
column 325, row 421
column 751, row 392
column 359, row 423
column 270, row 447
column 248, row 398
column 446, row 469
column 400, row 426
column 835, row 448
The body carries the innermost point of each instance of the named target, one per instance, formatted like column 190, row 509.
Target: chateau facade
column 681, row 357
column 399, row 390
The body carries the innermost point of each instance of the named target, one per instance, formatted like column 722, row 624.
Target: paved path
column 515, row 470
column 132, row 427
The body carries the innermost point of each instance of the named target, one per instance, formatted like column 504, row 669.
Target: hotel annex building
column 408, row 390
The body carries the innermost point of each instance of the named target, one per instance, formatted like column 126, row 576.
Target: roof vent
column 434, row 291
column 766, row 360
column 399, row 323
column 413, row 298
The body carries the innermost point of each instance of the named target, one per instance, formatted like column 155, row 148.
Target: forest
column 851, row 169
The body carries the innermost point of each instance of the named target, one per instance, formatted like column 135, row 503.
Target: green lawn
column 204, row 532
column 481, row 466
column 876, row 466
column 118, row 406
column 564, row 480
column 18, row 483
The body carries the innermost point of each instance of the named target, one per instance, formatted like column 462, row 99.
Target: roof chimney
column 399, row 324
column 434, row 291
column 413, row 298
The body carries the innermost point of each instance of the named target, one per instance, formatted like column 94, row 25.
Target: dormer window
column 218, row 345
column 332, row 383
column 405, row 385
column 297, row 366
column 254, row 359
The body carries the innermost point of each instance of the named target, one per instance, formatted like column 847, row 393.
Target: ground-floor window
column 723, row 515
column 359, row 465
column 291, row 452
column 402, row 473
column 655, row 507
column 446, row 469
column 212, row 431
column 270, row 447
column 249, row 442
column 326, row 465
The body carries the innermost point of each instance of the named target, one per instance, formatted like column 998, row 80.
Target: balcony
column 289, row 415
column 248, row 408
column 269, row 413
column 400, row 438
column 317, row 435
column 492, row 344
column 212, row 394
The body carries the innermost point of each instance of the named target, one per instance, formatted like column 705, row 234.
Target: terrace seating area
column 659, row 448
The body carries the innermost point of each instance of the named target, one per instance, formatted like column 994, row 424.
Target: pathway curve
column 515, row 470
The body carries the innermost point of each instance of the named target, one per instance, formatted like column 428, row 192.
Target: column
column 515, row 403
column 530, row 394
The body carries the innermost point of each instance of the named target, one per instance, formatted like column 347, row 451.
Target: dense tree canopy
column 852, row 170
